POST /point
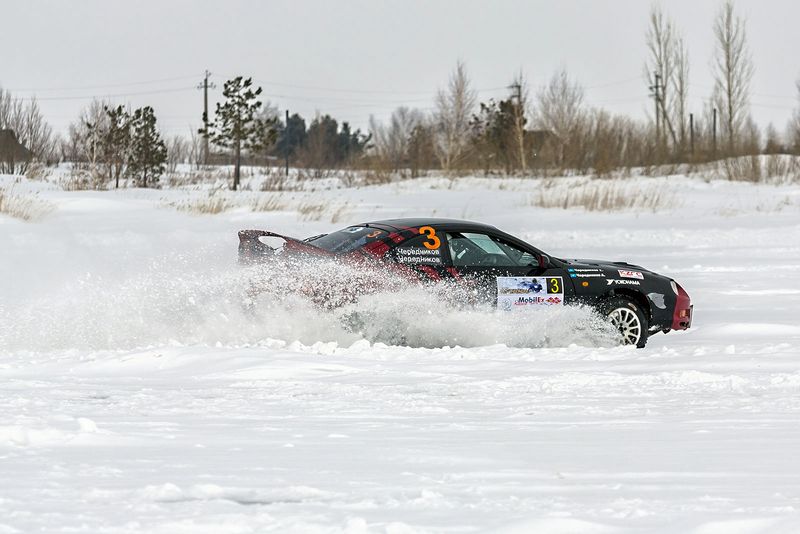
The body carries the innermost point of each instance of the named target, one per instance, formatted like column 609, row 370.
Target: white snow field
column 139, row 394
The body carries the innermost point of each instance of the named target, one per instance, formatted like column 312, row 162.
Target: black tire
column 629, row 318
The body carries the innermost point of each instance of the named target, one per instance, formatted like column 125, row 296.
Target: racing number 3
column 433, row 241
column 554, row 285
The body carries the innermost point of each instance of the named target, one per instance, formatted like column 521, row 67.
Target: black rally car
column 499, row 268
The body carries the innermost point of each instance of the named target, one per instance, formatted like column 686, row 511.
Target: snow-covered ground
column 136, row 394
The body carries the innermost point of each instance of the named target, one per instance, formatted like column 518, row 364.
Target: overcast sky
column 360, row 57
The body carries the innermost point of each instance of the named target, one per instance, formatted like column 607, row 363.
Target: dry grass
column 268, row 203
column 311, row 211
column 773, row 169
column 219, row 201
column 339, row 214
column 38, row 172
column 603, row 195
column 279, row 182
column 203, row 206
column 83, row 180
column 27, row 207
column 212, row 204
column 194, row 177
column 317, row 211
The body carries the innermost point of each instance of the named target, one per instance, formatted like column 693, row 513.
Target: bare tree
column 680, row 89
column 733, row 70
column 392, row 141
column 36, row 134
column 453, row 112
column 30, row 128
column 177, row 152
column 751, row 138
column 793, row 130
column 83, row 135
column 660, row 68
column 559, row 110
column 196, row 147
column 421, row 155
column 772, row 140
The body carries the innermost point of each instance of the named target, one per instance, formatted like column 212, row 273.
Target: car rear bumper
column 684, row 311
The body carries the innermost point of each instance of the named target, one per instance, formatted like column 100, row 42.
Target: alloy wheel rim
column 628, row 324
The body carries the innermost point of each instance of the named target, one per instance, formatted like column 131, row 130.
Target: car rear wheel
column 629, row 319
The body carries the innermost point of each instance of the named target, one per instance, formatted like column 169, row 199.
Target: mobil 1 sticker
column 515, row 292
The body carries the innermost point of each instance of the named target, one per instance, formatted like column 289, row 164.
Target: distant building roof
column 11, row 149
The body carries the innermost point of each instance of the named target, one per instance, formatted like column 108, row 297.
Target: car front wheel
column 629, row 319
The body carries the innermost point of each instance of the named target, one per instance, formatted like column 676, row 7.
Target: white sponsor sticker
column 631, row 274
column 414, row 256
column 615, row 282
column 519, row 291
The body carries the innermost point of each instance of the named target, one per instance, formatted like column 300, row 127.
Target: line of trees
column 551, row 129
column 557, row 130
column 25, row 119
column 112, row 143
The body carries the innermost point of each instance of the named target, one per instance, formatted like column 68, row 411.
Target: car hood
column 615, row 270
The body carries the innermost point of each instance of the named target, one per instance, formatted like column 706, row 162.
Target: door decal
column 518, row 291
column 433, row 242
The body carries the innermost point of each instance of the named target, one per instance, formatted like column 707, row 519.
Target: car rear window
column 349, row 239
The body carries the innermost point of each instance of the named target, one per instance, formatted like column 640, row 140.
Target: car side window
column 419, row 250
column 481, row 250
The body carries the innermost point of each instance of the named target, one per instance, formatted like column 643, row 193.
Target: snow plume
column 433, row 316
column 173, row 304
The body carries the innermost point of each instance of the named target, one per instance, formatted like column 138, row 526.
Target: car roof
column 413, row 222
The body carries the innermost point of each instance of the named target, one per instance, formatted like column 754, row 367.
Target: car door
column 424, row 253
column 507, row 274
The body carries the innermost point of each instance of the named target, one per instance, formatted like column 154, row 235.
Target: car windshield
column 347, row 240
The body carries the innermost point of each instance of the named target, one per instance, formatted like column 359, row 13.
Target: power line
column 761, row 95
column 109, row 95
column 618, row 82
column 710, row 100
column 357, row 102
column 355, row 91
column 90, row 87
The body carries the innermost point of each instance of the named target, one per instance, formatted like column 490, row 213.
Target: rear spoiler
column 252, row 249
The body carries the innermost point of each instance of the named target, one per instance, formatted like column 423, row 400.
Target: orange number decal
column 433, row 241
column 374, row 234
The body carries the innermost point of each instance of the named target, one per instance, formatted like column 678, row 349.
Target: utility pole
column 519, row 115
column 691, row 134
column 205, row 86
column 285, row 130
column 656, row 94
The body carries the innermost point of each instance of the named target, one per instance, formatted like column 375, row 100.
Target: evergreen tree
column 350, row 144
column 328, row 147
column 237, row 124
column 421, row 154
column 115, row 142
column 107, row 140
column 267, row 126
column 148, row 153
column 291, row 137
column 493, row 132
